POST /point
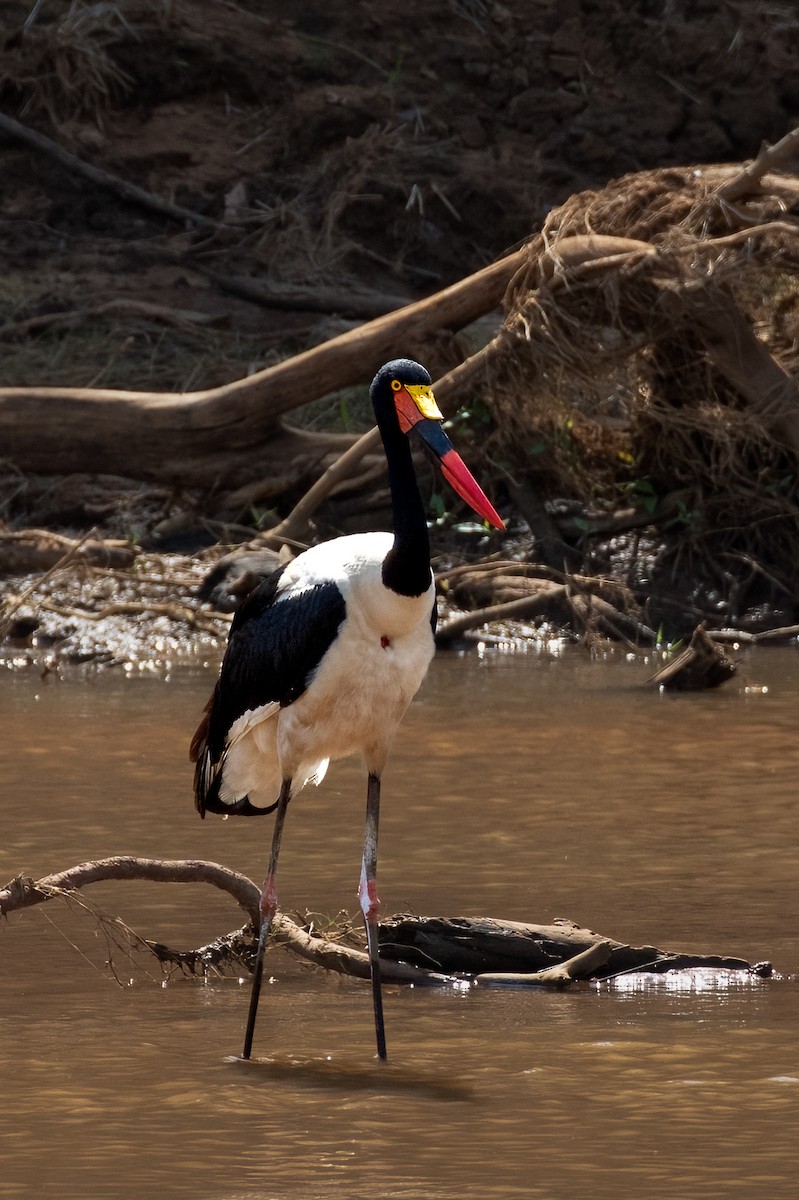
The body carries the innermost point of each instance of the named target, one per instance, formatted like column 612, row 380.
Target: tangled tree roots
column 646, row 358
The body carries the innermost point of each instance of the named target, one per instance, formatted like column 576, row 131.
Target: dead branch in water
column 432, row 952
column 702, row 664
column 23, row 891
column 482, row 945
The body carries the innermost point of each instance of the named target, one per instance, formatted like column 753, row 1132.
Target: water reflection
column 340, row 1074
column 524, row 787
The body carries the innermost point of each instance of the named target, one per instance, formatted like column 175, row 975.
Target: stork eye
column 395, row 385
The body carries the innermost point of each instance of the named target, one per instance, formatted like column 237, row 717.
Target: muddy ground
column 379, row 148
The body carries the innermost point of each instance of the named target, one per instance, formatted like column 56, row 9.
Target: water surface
column 525, row 787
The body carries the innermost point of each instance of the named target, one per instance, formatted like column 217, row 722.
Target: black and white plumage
column 325, row 656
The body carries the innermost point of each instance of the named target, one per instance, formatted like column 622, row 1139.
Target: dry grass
column 62, row 64
column 335, row 212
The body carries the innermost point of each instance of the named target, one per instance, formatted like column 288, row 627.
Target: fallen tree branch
column 702, row 664
column 784, row 633
column 480, row 945
column 22, row 892
column 334, row 956
column 512, row 610
column 433, row 952
column 550, row 599
column 568, row 254
column 225, row 433
column 584, row 965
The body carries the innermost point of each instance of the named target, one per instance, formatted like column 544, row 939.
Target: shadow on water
column 348, row 1076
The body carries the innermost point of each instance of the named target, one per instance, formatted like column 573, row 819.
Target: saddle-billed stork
column 325, row 655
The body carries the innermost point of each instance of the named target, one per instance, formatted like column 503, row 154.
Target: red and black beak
column 418, row 412
column 440, row 450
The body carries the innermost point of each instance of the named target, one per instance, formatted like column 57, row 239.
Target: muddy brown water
column 527, row 787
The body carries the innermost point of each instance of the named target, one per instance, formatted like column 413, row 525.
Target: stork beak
column 440, row 449
column 418, row 412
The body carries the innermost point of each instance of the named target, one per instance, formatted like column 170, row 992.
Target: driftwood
column 22, row 892
column 424, row 951
column 585, row 965
column 782, row 633
column 702, row 664
column 232, row 436
column 230, row 433
column 540, row 602
column 480, row 945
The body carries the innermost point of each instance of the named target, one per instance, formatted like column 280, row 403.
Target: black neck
column 407, row 565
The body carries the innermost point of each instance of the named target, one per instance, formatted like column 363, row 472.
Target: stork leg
column 370, row 905
column 268, row 907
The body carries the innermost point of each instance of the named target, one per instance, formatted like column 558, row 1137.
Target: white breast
column 362, row 687
column 372, row 671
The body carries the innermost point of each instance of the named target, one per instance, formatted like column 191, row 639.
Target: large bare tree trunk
column 228, row 432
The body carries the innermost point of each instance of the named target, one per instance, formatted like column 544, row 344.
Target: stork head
column 402, row 395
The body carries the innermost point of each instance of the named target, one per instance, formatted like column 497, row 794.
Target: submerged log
column 426, row 951
column 479, row 945
column 703, row 664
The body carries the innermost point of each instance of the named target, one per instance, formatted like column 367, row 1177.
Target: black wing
column 272, row 652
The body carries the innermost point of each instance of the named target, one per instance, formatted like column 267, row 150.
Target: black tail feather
column 207, row 782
